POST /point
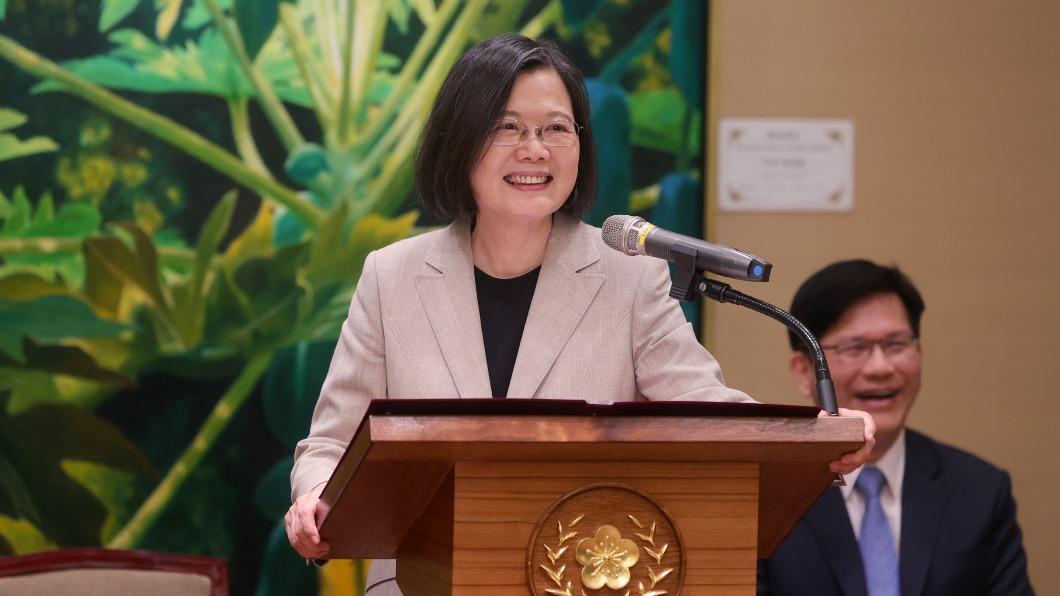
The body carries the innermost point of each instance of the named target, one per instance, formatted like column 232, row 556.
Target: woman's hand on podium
column 854, row 460
column 302, row 522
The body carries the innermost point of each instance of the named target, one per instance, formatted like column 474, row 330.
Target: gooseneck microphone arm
column 723, row 292
column 692, row 259
column 684, row 281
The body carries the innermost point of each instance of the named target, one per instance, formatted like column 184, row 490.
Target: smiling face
column 884, row 386
column 528, row 182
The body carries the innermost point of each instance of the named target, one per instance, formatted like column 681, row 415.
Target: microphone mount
column 687, row 281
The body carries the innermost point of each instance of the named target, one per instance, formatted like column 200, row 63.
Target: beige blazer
column 601, row 327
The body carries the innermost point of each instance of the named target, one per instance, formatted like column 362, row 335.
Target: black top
column 503, row 305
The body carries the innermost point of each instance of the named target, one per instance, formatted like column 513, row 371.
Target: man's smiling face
column 886, row 382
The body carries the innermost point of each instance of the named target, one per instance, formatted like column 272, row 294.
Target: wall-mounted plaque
column 772, row 164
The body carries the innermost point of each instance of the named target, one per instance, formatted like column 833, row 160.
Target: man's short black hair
column 471, row 99
column 822, row 299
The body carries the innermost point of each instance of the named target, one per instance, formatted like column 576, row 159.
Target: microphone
column 635, row 236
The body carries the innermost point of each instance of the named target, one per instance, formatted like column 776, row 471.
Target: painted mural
column 188, row 189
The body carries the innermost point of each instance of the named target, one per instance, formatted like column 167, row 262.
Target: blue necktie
column 878, row 554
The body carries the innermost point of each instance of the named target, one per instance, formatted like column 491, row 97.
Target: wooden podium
column 565, row 498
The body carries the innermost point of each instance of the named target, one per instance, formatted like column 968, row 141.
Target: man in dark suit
column 920, row 518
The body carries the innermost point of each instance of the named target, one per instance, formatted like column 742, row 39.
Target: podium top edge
column 574, row 407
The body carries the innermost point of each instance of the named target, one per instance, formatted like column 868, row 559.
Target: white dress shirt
column 892, row 465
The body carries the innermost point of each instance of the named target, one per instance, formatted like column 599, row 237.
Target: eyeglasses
column 856, row 352
column 558, row 133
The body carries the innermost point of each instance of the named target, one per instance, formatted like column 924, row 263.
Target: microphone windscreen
column 618, row 234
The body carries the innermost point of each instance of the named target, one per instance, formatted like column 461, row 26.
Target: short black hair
column 822, row 299
column 471, row 99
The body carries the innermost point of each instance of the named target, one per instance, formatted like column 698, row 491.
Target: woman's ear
column 801, row 370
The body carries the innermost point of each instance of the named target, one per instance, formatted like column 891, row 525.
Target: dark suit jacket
column 959, row 534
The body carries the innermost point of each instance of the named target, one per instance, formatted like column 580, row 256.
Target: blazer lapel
column 830, row 523
column 448, row 296
column 562, row 296
column 923, row 502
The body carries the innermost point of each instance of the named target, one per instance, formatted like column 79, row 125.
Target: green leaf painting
column 680, row 209
column 115, row 489
column 577, row 12
column 113, row 11
column 21, row 536
column 11, row 146
column 198, row 15
column 687, row 48
column 291, row 387
column 256, row 20
column 658, row 118
column 74, row 220
column 49, row 319
column 188, row 191
column 272, row 496
column 60, row 505
column 282, row 570
column 205, row 65
column 168, row 10
column 612, row 130
column 305, row 163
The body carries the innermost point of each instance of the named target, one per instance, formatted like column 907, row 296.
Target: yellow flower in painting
column 96, row 131
column 147, row 216
column 662, row 41
column 87, row 177
column 656, row 75
column 597, row 38
column 133, row 173
column 606, row 559
column 564, row 31
column 174, row 196
column 97, row 175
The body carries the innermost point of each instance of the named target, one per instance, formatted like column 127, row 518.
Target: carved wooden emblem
column 605, row 539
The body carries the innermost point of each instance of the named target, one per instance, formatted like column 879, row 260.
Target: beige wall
column 956, row 108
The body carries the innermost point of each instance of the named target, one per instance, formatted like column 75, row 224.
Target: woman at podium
column 517, row 297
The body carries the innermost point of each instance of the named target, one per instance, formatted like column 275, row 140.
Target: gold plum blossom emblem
column 634, row 547
column 606, row 559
